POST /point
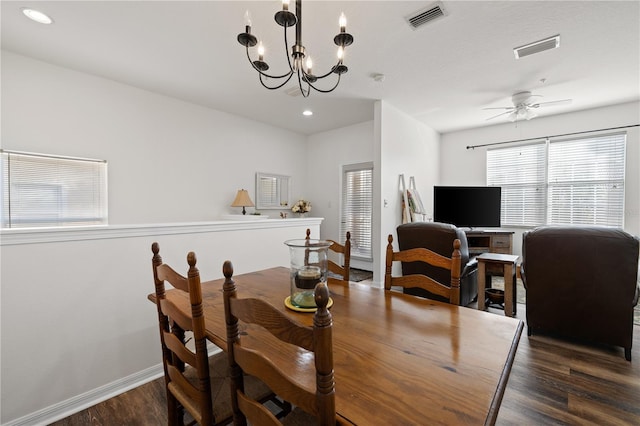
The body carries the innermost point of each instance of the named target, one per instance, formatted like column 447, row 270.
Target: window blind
column 41, row 190
column 520, row 171
column 586, row 181
column 574, row 181
column 268, row 191
column 357, row 208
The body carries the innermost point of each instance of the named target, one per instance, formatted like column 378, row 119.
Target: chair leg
column 529, row 331
column 627, row 354
column 285, row 408
column 175, row 411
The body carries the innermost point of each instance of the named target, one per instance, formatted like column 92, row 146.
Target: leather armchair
column 581, row 282
column 438, row 237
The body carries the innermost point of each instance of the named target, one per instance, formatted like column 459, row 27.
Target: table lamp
column 242, row 200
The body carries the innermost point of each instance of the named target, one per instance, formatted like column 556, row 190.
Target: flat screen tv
column 467, row 206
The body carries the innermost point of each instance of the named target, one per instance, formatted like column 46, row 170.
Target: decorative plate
column 288, row 304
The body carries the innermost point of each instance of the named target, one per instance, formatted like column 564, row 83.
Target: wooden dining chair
column 194, row 381
column 451, row 292
column 342, row 250
column 295, row 361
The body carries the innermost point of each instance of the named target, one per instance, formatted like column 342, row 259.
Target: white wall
column 74, row 314
column 461, row 166
column 397, row 144
column 76, row 322
column 407, row 147
column 154, row 145
column 327, row 153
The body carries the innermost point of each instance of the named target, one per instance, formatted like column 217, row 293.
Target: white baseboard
column 95, row 396
column 88, row 399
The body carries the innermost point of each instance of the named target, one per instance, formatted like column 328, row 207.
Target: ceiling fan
column 524, row 106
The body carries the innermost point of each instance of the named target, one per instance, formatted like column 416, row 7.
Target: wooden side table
column 508, row 263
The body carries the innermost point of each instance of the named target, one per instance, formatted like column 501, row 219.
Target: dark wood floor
column 142, row 406
column 562, row 383
column 552, row 382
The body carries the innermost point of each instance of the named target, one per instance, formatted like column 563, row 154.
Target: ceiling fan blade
column 510, row 107
column 529, row 114
column 552, row 103
column 501, row 114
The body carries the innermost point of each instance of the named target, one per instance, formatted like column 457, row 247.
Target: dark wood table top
column 398, row 359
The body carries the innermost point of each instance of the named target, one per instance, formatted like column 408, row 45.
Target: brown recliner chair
column 581, row 282
column 438, row 237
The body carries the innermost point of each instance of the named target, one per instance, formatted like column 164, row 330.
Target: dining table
column 398, row 359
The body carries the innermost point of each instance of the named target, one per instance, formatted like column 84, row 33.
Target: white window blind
column 268, row 191
column 575, row 181
column 586, row 181
column 520, row 171
column 41, row 191
column 357, row 207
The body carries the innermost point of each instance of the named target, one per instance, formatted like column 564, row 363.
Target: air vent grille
column 294, row 91
column 425, row 16
column 537, row 46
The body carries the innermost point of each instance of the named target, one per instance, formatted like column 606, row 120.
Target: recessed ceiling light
column 307, row 112
column 36, row 15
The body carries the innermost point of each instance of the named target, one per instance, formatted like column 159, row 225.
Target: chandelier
column 297, row 64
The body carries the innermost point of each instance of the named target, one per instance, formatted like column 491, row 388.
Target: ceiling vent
column 294, row 91
column 424, row 16
column 537, row 46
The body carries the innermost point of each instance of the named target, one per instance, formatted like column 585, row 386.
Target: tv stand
column 489, row 241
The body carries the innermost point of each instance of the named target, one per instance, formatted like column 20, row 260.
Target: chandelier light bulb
column 261, row 51
column 342, row 22
column 247, row 19
column 285, row 4
column 340, row 53
column 309, row 65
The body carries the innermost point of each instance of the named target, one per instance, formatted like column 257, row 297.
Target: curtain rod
column 547, row 137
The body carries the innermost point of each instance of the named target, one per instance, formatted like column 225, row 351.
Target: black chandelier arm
column 278, row 86
column 308, row 92
column 326, row 90
column 288, row 74
column 331, row 71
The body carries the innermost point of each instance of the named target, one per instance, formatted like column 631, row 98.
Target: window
column 272, row 191
column 571, row 181
column 586, row 181
column 357, row 207
column 520, row 171
column 42, row 191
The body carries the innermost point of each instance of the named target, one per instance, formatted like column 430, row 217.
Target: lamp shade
column 242, row 200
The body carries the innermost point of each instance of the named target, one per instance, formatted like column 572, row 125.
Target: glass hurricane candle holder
column 308, row 268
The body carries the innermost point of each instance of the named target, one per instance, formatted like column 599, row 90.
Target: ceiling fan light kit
column 522, row 113
column 297, row 64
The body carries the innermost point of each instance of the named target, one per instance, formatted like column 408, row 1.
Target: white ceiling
column 443, row 73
